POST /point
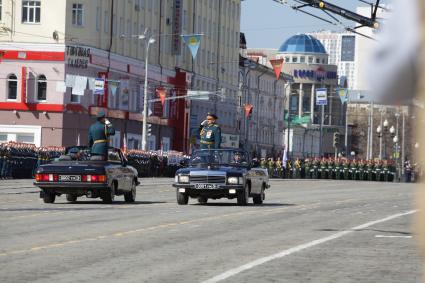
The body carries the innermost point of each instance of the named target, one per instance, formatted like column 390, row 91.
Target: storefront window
column 25, row 138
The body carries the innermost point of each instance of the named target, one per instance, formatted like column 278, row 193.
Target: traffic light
column 149, row 129
column 336, row 139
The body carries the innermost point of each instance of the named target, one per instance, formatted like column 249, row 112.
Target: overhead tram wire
column 363, row 21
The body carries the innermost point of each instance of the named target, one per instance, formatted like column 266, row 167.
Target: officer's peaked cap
column 101, row 114
column 212, row 115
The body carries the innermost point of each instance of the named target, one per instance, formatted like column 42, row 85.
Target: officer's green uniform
column 99, row 134
column 210, row 137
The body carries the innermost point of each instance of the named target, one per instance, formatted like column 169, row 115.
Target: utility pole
column 371, row 131
column 403, row 143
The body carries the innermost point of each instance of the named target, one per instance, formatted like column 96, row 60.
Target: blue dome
column 302, row 43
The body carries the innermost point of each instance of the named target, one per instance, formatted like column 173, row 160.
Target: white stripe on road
column 386, row 236
column 290, row 251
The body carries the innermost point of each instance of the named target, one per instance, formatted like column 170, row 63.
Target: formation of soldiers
column 331, row 168
column 155, row 163
column 20, row 160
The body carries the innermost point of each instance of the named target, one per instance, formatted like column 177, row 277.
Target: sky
column 268, row 24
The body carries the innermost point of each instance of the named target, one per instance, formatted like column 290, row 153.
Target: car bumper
column 71, row 187
column 229, row 191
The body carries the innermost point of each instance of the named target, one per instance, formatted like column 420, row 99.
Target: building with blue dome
column 306, row 59
column 302, row 48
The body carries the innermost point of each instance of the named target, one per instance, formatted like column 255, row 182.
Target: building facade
column 51, row 52
column 341, row 48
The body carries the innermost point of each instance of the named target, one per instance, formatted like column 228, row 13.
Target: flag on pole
column 99, row 86
column 277, row 65
column 248, row 108
column 162, row 93
column 193, row 42
column 124, row 143
column 343, row 95
column 284, row 158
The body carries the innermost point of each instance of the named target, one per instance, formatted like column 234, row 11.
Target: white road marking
column 299, row 248
column 389, row 236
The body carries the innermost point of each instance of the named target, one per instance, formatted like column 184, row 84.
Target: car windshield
column 229, row 157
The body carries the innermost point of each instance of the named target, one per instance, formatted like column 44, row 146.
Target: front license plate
column 69, row 178
column 205, row 186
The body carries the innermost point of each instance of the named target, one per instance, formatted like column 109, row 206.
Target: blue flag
column 193, row 42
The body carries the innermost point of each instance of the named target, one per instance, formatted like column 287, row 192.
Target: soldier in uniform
column 279, row 168
column 210, row 133
column 307, row 168
column 99, row 134
column 316, row 164
column 270, row 167
column 297, row 168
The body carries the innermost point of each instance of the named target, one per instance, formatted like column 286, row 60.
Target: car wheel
column 182, row 199
column 109, row 195
column 202, row 200
column 49, row 197
column 243, row 196
column 71, row 198
column 258, row 199
column 131, row 195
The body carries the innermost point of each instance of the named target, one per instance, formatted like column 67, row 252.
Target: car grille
column 208, row 179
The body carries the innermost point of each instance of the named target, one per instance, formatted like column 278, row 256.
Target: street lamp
column 148, row 37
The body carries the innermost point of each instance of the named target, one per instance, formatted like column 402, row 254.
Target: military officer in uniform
column 99, row 134
column 210, row 133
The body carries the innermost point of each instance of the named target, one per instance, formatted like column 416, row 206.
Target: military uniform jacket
column 211, row 136
column 99, row 134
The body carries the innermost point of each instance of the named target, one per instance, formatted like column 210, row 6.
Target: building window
column 106, row 24
column 302, row 59
column 294, row 59
column 12, row 87
column 310, row 60
column 31, row 11
column 287, row 59
column 41, row 88
column 317, row 60
column 77, row 15
column 98, row 16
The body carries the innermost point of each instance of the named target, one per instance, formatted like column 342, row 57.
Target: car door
column 116, row 169
column 126, row 171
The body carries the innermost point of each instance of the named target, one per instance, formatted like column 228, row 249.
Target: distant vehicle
column 221, row 173
column 76, row 174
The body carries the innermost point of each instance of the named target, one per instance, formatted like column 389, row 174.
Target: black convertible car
column 221, row 173
column 77, row 174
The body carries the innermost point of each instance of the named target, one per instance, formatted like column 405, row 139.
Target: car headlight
column 233, row 180
column 183, row 179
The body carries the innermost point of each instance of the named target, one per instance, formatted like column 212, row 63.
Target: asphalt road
column 307, row 231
